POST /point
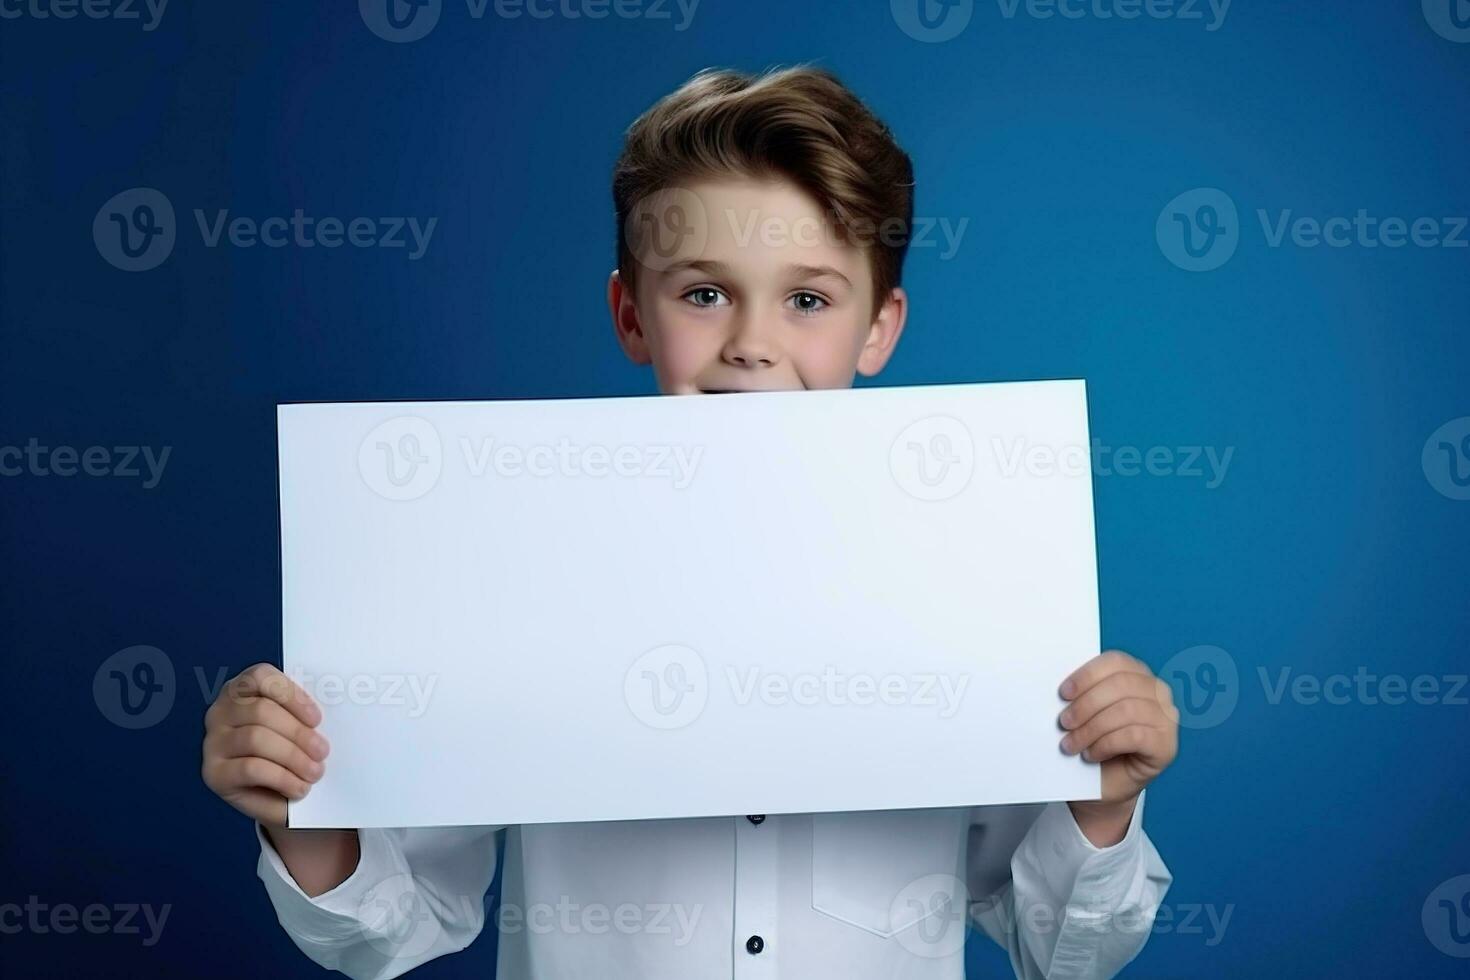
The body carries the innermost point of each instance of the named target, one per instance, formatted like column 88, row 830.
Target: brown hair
column 800, row 124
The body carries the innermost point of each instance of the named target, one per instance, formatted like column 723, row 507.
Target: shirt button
column 757, row 819
column 754, row 945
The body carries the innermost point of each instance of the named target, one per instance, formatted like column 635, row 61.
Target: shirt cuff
column 1095, row 878
column 335, row 915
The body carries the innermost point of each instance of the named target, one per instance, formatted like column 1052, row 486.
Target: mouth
column 737, row 391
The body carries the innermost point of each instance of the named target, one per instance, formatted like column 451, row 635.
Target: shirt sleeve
column 416, row 894
column 1074, row 911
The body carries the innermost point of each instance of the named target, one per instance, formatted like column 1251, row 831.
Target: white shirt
column 792, row 897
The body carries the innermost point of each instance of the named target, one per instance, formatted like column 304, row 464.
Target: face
column 750, row 289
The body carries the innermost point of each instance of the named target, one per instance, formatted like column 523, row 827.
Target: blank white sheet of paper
column 683, row 606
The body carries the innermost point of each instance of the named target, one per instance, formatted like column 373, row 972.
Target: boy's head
column 762, row 226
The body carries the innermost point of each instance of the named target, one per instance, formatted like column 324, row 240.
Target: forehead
column 752, row 227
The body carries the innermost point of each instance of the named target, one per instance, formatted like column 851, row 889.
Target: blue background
column 1323, row 827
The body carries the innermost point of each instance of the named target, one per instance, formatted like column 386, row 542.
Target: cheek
column 828, row 359
column 681, row 348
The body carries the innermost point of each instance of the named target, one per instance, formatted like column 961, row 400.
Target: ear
column 625, row 319
column 884, row 333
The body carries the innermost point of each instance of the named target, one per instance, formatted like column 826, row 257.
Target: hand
column 1124, row 717
column 260, row 744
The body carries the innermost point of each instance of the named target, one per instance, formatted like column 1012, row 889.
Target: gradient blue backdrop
column 1323, row 828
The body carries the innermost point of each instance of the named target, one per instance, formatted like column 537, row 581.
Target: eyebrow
column 815, row 272
column 720, row 269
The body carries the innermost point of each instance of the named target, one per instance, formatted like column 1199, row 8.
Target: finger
column 269, row 714
column 1113, row 688
column 257, row 740
column 1099, row 667
column 257, row 773
column 1129, row 711
column 1129, row 740
column 260, row 804
column 266, row 681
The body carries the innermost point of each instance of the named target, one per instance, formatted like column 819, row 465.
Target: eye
column 807, row 303
column 705, row 296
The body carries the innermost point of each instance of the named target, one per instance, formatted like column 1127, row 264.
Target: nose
column 748, row 347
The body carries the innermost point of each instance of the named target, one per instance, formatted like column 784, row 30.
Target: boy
column 762, row 228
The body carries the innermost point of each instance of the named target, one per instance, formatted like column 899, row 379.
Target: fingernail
column 1067, row 745
column 315, row 770
column 1066, row 718
column 1087, row 755
column 1069, row 687
column 320, row 747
